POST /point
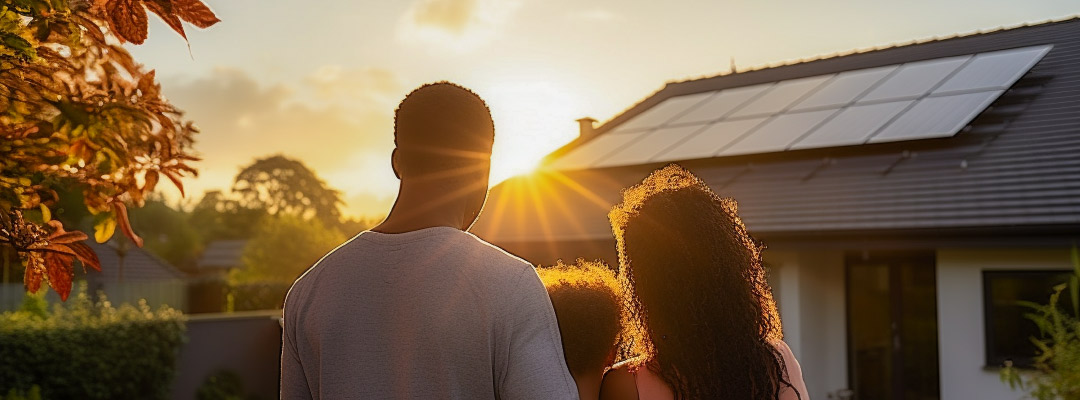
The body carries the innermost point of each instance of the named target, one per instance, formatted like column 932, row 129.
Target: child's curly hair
column 588, row 304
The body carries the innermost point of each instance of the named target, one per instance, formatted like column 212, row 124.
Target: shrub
column 91, row 350
column 222, row 385
column 268, row 295
column 1056, row 372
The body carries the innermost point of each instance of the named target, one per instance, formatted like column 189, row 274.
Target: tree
column 78, row 111
column 167, row 232
column 218, row 216
column 283, row 247
column 281, row 185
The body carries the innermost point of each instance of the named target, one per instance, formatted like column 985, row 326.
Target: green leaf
column 104, row 226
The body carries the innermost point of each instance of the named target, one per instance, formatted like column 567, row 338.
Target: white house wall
column 809, row 287
column 961, row 341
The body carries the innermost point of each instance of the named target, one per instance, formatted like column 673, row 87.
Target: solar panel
column 780, row 96
column 663, row 112
column 777, row 133
column 707, row 142
column 853, row 125
column 647, row 147
column 721, row 105
column 845, row 88
column 995, row 70
column 936, row 117
column 587, row 154
column 917, row 100
column 915, row 79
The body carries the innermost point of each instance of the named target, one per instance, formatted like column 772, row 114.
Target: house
column 129, row 273
column 908, row 197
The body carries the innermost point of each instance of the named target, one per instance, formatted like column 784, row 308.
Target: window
column 1007, row 330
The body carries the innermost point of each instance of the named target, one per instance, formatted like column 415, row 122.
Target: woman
column 701, row 318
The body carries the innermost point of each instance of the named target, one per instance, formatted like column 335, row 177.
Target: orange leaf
column 60, row 236
column 86, row 255
column 195, row 12
column 125, row 224
column 127, row 20
column 151, row 180
column 33, row 274
column 58, row 266
column 165, row 10
column 175, row 180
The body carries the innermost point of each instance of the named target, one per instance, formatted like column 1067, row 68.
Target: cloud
column 340, row 133
column 460, row 25
column 595, row 15
column 336, row 85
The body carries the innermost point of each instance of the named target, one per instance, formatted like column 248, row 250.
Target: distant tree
column 283, row 247
column 282, row 185
column 219, row 217
column 167, row 232
column 77, row 111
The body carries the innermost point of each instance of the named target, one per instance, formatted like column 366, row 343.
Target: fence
column 246, row 343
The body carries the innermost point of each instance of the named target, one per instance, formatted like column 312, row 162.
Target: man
column 416, row 307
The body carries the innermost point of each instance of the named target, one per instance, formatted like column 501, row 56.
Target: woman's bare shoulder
column 619, row 383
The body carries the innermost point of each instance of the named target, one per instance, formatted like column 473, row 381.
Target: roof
column 138, row 264
column 222, row 254
column 1015, row 165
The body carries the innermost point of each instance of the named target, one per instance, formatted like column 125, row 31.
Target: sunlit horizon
column 324, row 91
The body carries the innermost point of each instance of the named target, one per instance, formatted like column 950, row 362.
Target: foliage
column 77, row 110
column 1056, row 372
column 221, row 385
column 283, row 247
column 91, row 350
column 35, row 305
column 220, row 217
column 281, row 185
column 167, row 232
column 265, row 295
column 33, row 394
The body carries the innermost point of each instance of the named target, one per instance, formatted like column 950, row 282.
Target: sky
column 318, row 80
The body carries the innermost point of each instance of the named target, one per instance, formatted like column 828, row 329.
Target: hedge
column 91, row 350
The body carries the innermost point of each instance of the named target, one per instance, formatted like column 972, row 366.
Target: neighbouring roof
column 222, row 254
column 138, row 264
column 1017, row 164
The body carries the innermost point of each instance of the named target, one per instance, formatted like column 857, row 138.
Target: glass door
column 892, row 326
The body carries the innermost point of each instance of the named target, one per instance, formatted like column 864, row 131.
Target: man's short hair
column 589, row 309
column 442, row 125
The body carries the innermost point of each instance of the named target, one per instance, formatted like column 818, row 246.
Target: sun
column 531, row 120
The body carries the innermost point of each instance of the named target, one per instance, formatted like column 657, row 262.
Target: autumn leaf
column 127, row 19
column 58, row 267
column 32, row 277
column 85, row 254
column 165, row 10
column 104, row 226
column 125, row 224
column 150, row 181
column 175, row 180
column 195, row 12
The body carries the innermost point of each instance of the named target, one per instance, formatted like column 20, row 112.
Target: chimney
column 586, row 126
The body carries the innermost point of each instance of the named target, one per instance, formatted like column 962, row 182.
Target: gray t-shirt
column 430, row 314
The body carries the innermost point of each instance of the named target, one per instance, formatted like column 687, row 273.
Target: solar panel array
column 917, row 100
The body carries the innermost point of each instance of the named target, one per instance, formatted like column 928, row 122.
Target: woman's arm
column 619, row 384
column 794, row 375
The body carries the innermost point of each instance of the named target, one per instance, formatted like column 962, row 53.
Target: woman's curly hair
column 701, row 313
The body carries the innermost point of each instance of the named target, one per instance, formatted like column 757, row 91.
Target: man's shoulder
column 495, row 253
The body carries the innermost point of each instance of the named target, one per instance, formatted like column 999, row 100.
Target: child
column 589, row 309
